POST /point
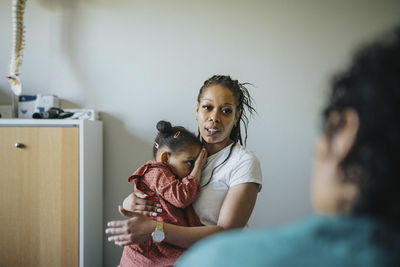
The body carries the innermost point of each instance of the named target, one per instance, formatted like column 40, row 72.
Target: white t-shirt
column 241, row 167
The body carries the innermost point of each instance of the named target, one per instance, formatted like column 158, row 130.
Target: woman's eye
column 207, row 107
column 227, row 111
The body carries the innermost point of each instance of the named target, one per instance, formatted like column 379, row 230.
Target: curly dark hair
column 371, row 86
column 243, row 102
column 176, row 138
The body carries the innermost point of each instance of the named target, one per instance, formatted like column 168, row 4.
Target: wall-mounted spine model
column 18, row 9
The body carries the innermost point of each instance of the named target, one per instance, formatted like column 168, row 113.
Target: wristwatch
column 158, row 234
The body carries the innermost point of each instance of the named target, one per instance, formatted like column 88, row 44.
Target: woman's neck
column 216, row 147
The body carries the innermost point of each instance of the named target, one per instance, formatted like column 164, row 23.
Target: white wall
column 141, row 61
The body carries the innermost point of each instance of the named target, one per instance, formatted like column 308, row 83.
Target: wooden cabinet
column 51, row 193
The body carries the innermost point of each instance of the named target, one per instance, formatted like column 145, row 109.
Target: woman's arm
column 235, row 212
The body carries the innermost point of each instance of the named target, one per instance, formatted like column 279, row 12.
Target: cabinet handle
column 19, row 145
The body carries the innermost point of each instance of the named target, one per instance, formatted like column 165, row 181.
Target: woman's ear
column 197, row 110
column 237, row 116
column 343, row 140
column 165, row 156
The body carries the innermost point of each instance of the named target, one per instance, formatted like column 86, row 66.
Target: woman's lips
column 212, row 131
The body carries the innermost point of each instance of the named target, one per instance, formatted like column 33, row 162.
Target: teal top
column 345, row 241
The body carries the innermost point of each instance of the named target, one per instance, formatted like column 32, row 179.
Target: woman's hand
column 136, row 229
column 138, row 203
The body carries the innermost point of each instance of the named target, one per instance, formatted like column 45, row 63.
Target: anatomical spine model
column 18, row 8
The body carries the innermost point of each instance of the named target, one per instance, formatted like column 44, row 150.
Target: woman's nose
column 215, row 116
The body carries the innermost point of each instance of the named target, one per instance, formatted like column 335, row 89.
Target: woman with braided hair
column 230, row 180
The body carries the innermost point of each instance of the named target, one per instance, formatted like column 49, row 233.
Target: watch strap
column 159, row 226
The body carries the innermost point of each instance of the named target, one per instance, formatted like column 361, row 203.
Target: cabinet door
column 39, row 205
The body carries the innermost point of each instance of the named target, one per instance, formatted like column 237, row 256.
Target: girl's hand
column 136, row 229
column 199, row 163
column 138, row 203
column 201, row 159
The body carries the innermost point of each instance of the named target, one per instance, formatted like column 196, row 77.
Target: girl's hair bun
column 176, row 138
column 164, row 127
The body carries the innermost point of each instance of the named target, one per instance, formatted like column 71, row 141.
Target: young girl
column 173, row 181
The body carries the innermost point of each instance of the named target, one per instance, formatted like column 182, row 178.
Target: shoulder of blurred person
column 345, row 241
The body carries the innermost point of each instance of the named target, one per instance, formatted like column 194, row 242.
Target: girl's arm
column 235, row 212
column 199, row 164
column 179, row 193
column 137, row 201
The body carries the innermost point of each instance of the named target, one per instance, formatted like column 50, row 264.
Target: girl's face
column 182, row 162
column 216, row 113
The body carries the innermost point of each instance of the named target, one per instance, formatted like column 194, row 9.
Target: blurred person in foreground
column 356, row 183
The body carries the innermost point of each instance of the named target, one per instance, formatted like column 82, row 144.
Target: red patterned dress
column 161, row 185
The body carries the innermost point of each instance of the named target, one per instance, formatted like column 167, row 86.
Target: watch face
column 158, row 236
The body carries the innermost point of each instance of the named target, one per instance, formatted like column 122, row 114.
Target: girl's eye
column 190, row 163
column 227, row 111
column 207, row 107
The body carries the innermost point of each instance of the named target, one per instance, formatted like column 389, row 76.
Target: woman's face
column 216, row 113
